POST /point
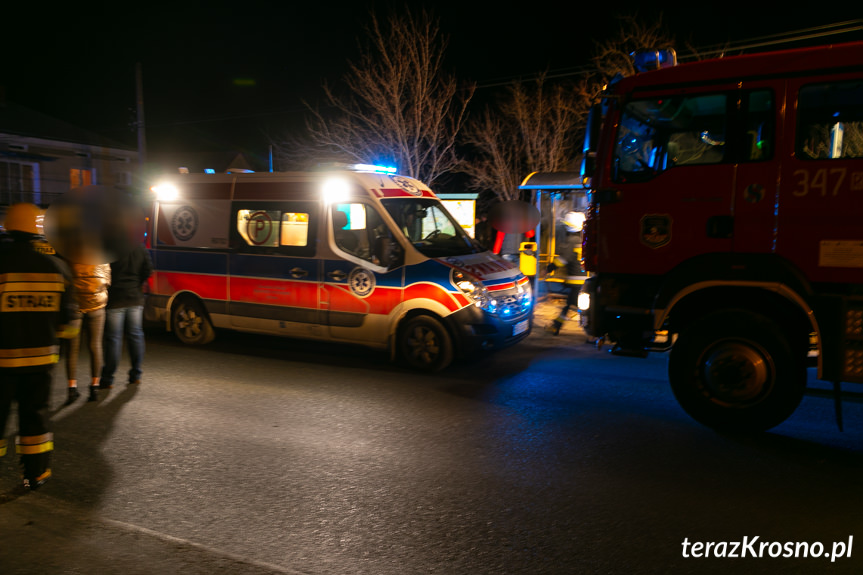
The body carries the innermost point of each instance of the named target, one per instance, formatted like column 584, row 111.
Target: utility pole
column 142, row 139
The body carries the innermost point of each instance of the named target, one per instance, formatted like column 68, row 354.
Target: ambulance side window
column 269, row 228
column 356, row 227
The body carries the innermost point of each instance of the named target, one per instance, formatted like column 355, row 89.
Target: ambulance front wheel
column 190, row 322
column 424, row 344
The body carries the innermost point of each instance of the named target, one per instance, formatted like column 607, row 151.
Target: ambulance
column 358, row 255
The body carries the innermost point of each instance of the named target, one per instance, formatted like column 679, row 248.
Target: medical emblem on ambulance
column 361, row 281
column 655, row 230
column 408, row 186
column 184, row 224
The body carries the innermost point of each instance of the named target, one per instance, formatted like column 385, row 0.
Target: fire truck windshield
column 430, row 228
column 659, row 133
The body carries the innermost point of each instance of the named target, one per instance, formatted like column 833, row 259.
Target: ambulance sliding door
column 274, row 273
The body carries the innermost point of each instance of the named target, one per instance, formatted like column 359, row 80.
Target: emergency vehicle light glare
column 373, row 168
column 165, row 192
column 335, row 190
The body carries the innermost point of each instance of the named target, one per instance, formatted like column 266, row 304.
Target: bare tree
column 397, row 104
column 540, row 127
column 613, row 56
column 535, row 127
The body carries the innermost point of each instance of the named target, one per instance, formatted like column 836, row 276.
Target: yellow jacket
column 91, row 285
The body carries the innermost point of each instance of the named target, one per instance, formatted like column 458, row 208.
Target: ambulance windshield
column 430, row 228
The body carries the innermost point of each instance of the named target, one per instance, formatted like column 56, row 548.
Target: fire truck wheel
column 190, row 322
column 736, row 371
column 425, row 344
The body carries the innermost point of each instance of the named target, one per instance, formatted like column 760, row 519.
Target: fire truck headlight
column 583, row 302
column 166, row 192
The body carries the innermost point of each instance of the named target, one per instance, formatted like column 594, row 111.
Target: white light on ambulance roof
column 165, row 192
column 373, row 168
column 335, row 190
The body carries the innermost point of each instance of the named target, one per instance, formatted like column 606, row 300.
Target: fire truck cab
column 362, row 256
column 724, row 225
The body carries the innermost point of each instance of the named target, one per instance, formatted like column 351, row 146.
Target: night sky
column 226, row 75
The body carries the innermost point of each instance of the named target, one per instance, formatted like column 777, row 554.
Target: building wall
column 38, row 170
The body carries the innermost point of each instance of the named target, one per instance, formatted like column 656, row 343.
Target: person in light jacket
column 91, row 288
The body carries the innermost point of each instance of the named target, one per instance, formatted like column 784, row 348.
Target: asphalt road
column 264, row 455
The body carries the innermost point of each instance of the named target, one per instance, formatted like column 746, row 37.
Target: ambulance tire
column 189, row 321
column 736, row 371
column 424, row 344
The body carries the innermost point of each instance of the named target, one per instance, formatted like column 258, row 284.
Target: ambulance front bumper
column 477, row 331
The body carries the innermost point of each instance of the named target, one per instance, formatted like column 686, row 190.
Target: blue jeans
column 120, row 321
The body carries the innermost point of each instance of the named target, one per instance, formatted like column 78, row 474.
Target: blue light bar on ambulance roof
column 372, row 168
column 357, row 168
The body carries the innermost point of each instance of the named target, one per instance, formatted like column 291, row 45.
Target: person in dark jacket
column 125, row 314
column 37, row 306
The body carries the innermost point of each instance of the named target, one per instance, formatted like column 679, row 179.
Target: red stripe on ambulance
column 204, row 285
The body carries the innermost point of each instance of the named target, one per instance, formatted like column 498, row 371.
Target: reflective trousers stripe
column 34, row 444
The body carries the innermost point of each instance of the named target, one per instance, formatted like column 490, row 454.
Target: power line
column 777, row 39
column 824, row 31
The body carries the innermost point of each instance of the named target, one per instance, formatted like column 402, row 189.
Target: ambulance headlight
column 474, row 290
column 583, row 301
column 525, row 297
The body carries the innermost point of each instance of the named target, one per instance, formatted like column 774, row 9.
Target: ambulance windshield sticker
column 361, row 282
column 184, row 224
column 655, row 230
column 407, row 185
column 260, row 229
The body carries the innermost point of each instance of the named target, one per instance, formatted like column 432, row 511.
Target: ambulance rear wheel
column 424, row 344
column 737, row 371
column 190, row 322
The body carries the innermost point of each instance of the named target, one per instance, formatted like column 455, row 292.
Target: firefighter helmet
column 24, row 218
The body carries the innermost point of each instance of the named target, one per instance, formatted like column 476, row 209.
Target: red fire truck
column 725, row 224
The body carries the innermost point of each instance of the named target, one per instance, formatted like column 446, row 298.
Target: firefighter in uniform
column 36, row 307
column 569, row 259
